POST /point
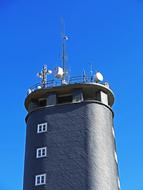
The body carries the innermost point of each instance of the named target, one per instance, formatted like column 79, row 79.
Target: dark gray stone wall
column 80, row 148
column 101, row 149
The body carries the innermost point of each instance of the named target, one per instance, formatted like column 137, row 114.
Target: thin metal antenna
column 69, row 74
column 91, row 72
column 64, row 56
column 84, row 76
column 43, row 75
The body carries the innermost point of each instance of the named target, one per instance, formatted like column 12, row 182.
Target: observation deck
column 77, row 89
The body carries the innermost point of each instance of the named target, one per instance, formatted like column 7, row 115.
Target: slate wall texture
column 80, row 148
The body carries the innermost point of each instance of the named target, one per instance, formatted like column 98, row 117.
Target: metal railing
column 55, row 83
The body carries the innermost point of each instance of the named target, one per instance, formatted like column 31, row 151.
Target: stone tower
column 70, row 141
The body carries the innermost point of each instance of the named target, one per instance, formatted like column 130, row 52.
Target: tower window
column 41, row 128
column 40, row 179
column 63, row 99
column 41, row 152
column 42, row 102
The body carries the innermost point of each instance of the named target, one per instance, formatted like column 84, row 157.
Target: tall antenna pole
column 64, row 39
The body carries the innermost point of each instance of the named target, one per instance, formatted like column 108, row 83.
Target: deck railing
column 55, row 83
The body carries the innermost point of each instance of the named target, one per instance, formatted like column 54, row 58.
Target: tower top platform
column 90, row 90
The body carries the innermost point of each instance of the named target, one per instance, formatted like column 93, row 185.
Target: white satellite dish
column 29, row 91
column 39, row 87
column 99, row 77
column 58, row 72
column 49, row 72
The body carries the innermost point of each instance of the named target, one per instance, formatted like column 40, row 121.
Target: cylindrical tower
column 70, row 141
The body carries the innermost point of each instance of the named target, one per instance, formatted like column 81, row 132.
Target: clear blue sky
column 108, row 34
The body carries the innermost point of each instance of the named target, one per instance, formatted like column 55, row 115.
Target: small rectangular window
column 41, row 128
column 41, row 152
column 40, row 179
column 64, row 99
column 42, row 102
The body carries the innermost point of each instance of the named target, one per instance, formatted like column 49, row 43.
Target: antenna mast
column 64, row 57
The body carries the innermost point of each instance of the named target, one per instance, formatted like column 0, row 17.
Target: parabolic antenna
column 29, row 91
column 98, row 77
column 58, row 72
column 39, row 87
column 49, row 72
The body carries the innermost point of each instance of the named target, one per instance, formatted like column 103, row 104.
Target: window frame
column 41, row 126
column 38, row 179
column 40, row 150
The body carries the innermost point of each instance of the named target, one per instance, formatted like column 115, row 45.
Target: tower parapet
column 77, row 90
